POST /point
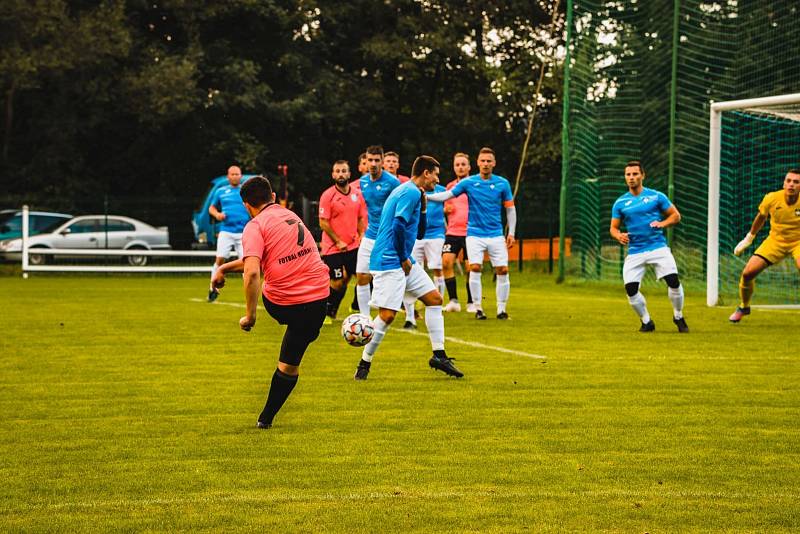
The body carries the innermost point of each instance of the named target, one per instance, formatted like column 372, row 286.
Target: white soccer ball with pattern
column 358, row 330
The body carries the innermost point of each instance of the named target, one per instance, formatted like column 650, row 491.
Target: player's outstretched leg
column 381, row 327
column 639, row 305
column 747, row 286
column 434, row 321
column 477, row 294
column 279, row 390
column 675, row 292
column 411, row 319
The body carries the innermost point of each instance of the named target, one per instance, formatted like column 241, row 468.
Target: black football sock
column 280, row 389
column 450, row 284
column 354, row 305
column 469, row 293
column 334, row 299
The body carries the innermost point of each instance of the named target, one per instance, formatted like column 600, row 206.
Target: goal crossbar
column 714, row 155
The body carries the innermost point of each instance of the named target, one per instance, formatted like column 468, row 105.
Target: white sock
column 475, row 289
column 438, row 281
column 434, row 321
column 676, row 297
column 377, row 337
column 362, row 295
column 640, row 306
column 502, row 290
column 408, row 303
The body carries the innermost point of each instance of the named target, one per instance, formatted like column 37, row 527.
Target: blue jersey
column 375, row 193
column 403, row 203
column 435, row 224
column 227, row 200
column 637, row 212
column 486, row 200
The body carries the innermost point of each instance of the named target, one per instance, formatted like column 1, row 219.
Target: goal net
column 752, row 144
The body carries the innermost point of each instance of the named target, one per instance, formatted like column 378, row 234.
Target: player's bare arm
column 671, row 217
column 326, row 227
column 214, row 212
column 235, row 266
column 616, row 233
column 251, row 280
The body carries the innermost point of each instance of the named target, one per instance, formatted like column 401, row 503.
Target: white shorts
column 229, row 243
column 495, row 246
column 636, row 264
column 364, row 252
column 389, row 287
column 429, row 252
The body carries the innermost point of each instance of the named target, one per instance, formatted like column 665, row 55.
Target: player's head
column 234, row 175
column 391, row 162
column 341, row 172
column 634, row 174
column 461, row 166
column 256, row 193
column 425, row 172
column 374, row 160
column 486, row 161
column 362, row 164
column 791, row 184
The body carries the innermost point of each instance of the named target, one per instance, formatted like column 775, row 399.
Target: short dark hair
column 341, row 162
column 486, row 150
column 422, row 164
column 361, row 156
column 374, row 149
column 256, row 191
column 635, row 163
column 794, row 171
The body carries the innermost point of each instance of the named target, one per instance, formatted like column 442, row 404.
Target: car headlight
column 11, row 245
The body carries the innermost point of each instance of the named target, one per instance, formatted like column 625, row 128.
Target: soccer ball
column 358, row 329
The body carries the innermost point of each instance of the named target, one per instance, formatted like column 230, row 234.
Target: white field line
column 776, row 307
column 449, row 339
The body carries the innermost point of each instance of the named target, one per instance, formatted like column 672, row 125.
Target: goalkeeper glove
column 743, row 244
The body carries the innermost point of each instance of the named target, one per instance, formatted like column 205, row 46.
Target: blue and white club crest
column 353, row 197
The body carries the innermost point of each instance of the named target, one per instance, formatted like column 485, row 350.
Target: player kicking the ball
column 783, row 209
column 646, row 213
column 395, row 272
column 295, row 290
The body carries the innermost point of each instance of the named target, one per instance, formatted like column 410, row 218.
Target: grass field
column 127, row 405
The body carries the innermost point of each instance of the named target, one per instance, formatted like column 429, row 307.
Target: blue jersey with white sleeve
column 228, row 200
column 486, row 201
column 637, row 212
column 404, row 204
column 375, row 193
column 435, row 228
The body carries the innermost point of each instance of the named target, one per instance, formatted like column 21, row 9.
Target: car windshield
column 8, row 222
column 50, row 228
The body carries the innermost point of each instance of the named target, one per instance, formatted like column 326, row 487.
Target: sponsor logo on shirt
column 628, row 203
column 797, row 212
column 353, row 197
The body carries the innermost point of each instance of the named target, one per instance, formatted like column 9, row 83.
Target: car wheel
column 37, row 259
column 137, row 261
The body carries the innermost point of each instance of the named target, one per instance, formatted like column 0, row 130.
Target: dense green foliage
column 130, row 406
column 150, row 99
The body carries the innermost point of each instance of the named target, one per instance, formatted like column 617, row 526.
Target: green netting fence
column 639, row 83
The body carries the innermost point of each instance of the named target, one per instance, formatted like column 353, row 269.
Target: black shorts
column 303, row 322
column 342, row 264
column 453, row 244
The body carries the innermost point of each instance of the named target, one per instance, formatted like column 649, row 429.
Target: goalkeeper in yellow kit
column 783, row 209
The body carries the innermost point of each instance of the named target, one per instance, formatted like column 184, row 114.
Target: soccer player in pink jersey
column 455, row 241
column 343, row 219
column 295, row 289
column 391, row 163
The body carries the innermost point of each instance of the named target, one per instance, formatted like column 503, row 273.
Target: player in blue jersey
column 646, row 212
column 395, row 272
column 428, row 252
column 488, row 194
column 228, row 209
column 375, row 188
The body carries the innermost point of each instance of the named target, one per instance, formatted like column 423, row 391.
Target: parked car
column 39, row 222
column 91, row 231
column 203, row 224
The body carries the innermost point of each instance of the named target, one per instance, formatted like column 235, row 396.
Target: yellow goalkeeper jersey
column 784, row 219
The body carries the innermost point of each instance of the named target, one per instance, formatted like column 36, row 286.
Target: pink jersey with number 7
column 293, row 271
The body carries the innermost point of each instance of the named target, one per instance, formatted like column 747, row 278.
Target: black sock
column 354, row 304
column 469, row 293
column 280, row 389
column 450, row 284
column 334, row 299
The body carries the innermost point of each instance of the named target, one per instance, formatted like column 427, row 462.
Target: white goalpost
column 114, row 254
column 778, row 110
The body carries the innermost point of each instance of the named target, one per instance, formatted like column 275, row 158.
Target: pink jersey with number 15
column 293, row 271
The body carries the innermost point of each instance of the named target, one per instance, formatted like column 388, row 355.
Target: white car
column 92, row 231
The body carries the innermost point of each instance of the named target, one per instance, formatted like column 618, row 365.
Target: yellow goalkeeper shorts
column 774, row 251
